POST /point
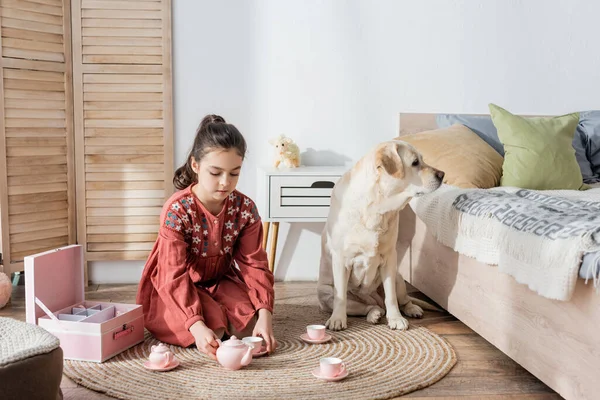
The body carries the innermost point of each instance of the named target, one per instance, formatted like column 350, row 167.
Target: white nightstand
column 300, row 194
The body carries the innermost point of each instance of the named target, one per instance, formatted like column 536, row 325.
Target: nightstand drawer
column 297, row 196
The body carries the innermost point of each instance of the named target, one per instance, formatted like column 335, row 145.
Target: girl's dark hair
column 212, row 134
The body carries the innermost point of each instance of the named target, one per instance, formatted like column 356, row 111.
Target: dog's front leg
column 341, row 274
column 388, row 275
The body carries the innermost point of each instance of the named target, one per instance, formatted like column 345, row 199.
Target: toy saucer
column 305, row 337
column 169, row 367
column 262, row 352
column 317, row 374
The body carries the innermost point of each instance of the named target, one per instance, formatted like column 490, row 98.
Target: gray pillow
column 483, row 126
column 589, row 125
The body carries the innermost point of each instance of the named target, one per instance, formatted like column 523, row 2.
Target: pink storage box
column 55, row 300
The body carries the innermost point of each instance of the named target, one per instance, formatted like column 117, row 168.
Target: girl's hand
column 206, row 340
column 264, row 328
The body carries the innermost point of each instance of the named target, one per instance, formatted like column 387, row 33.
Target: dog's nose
column 440, row 175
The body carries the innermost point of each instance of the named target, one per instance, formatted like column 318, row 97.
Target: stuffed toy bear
column 287, row 152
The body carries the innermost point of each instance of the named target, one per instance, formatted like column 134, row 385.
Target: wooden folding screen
column 120, row 113
column 37, row 197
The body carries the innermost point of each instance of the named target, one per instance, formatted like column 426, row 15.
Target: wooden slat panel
column 31, row 25
column 118, row 14
column 120, row 41
column 57, row 3
column 30, row 64
column 124, row 150
column 26, row 207
column 35, row 142
column 130, row 158
column 38, row 235
column 33, row 17
column 119, row 238
column 121, row 59
column 38, row 217
column 34, row 75
column 34, row 7
column 34, row 247
column 130, row 114
column 121, row 5
column 121, row 69
column 125, row 194
column 33, row 45
column 37, row 160
column 35, row 123
column 126, row 220
column 124, row 185
column 14, row 181
column 122, row 212
column 45, row 198
column 129, row 132
column 35, row 151
column 33, row 95
column 124, row 141
column 122, row 78
column 20, row 84
column 34, row 189
column 119, row 203
column 116, row 50
column 35, row 226
column 35, row 114
column 121, row 23
column 38, row 169
column 35, row 132
column 33, row 55
column 113, row 105
column 35, row 104
column 119, row 50
column 121, row 32
column 32, row 35
column 123, row 97
column 22, row 255
column 120, row 123
column 124, row 176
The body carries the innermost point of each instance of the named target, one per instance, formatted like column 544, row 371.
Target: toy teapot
column 234, row 354
column 161, row 356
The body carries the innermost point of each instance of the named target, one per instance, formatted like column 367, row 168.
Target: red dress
column 205, row 267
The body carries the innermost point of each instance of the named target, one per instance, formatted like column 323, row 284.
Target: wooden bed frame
column 558, row 342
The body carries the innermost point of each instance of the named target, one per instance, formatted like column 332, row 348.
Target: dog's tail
column 425, row 305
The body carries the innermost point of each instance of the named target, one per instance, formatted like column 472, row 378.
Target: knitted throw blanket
column 538, row 237
column 20, row 340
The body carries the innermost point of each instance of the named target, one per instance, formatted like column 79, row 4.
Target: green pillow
column 539, row 153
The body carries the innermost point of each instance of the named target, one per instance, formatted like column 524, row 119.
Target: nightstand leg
column 265, row 234
column 273, row 246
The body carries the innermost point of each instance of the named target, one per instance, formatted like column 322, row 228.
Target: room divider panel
column 86, row 127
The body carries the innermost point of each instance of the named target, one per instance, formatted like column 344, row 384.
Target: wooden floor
column 482, row 371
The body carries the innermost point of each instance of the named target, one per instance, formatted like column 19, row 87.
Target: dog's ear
column 388, row 158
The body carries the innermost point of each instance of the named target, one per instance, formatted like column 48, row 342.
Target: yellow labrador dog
column 358, row 244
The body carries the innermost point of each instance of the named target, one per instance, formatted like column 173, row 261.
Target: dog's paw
column 412, row 310
column 399, row 323
column 337, row 322
column 375, row 315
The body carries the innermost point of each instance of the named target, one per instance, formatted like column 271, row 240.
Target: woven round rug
column 382, row 364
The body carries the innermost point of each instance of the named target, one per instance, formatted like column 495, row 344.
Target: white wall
column 334, row 75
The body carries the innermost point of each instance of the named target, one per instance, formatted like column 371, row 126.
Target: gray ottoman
column 31, row 362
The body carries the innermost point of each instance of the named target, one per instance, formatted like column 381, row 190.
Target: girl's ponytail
column 184, row 175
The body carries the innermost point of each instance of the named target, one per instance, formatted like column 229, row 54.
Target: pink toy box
column 55, row 300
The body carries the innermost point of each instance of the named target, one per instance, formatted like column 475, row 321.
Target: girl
column 207, row 274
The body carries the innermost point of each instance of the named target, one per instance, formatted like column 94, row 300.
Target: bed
column 558, row 341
